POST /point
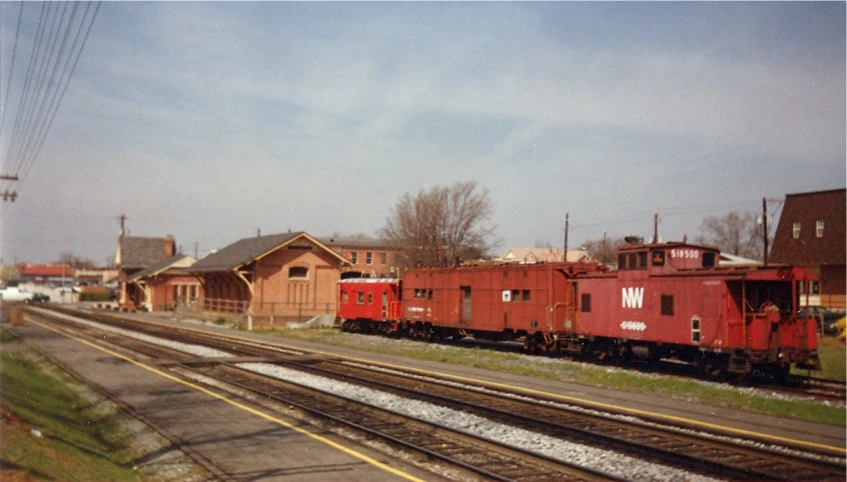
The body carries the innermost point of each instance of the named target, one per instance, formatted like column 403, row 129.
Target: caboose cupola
column 667, row 257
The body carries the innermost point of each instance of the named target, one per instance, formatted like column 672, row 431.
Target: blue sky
column 209, row 121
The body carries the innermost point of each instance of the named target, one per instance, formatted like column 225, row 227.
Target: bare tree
column 735, row 233
column 441, row 226
column 70, row 259
column 604, row 250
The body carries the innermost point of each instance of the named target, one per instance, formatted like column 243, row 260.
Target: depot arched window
column 298, row 273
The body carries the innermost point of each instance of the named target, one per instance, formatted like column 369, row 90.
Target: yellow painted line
column 581, row 401
column 253, row 411
column 564, row 398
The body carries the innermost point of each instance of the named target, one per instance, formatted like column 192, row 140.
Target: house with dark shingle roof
column 135, row 254
column 811, row 232
column 280, row 277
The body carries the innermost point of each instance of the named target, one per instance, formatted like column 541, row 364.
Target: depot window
column 383, row 258
column 369, row 258
column 819, row 228
column 354, row 257
column 298, row 273
column 795, row 230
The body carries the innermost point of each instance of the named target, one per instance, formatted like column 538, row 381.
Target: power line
column 50, row 69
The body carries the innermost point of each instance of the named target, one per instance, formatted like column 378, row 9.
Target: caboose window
column 525, row 295
column 516, row 295
column 658, row 258
column 642, row 260
column 708, row 260
column 360, row 298
column 621, row 261
column 667, row 305
column 370, row 298
column 344, row 297
column 585, row 303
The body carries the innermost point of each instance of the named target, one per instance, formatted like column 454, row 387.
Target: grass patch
column 831, row 351
column 717, row 395
column 79, row 441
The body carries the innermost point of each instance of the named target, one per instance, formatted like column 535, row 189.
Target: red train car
column 671, row 300
column 666, row 300
column 497, row 302
column 368, row 304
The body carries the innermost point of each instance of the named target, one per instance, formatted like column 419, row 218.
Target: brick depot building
column 268, row 279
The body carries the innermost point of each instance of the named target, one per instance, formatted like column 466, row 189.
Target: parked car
column 13, row 293
column 823, row 316
column 40, row 298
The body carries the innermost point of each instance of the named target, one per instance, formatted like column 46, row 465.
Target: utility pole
column 765, row 227
column 656, row 227
column 567, row 218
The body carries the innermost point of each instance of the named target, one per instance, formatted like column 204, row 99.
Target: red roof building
column 45, row 273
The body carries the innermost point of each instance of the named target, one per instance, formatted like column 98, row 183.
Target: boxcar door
column 466, row 304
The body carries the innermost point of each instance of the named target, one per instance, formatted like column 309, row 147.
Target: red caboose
column 671, row 300
column 368, row 304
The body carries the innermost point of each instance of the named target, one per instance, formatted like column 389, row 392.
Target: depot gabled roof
column 178, row 261
column 247, row 250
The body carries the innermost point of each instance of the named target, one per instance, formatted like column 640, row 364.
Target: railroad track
column 710, row 456
column 484, row 458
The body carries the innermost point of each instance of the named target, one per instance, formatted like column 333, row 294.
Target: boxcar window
column 708, row 260
column 585, row 303
column 667, row 305
column 695, row 330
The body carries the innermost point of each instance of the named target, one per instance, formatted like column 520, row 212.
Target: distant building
column 544, row 255
column 811, row 232
column 368, row 257
column 46, row 274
